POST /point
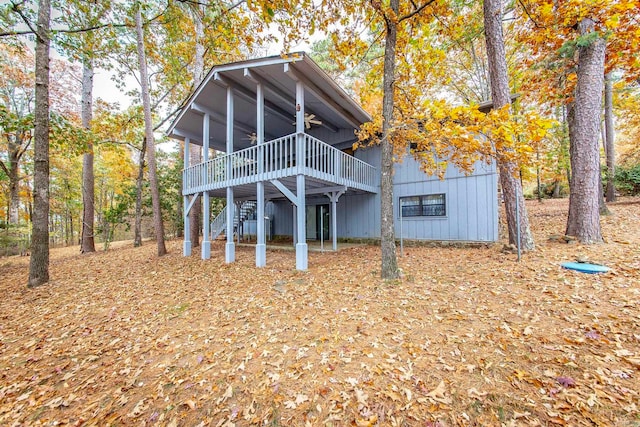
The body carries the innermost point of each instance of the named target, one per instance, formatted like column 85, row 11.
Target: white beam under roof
column 321, row 94
column 186, row 134
column 256, row 77
column 217, row 117
column 317, row 82
column 251, row 97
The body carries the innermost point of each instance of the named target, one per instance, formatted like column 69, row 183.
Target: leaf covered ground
column 467, row 337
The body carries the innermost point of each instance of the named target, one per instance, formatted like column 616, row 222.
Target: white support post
column 334, row 224
column 301, row 245
column 300, row 149
column 230, row 250
column 206, row 214
column 261, row 244
column 186, row 245
column 295, row 224
column 302, row 255
column 240, row 229
column 333, row 198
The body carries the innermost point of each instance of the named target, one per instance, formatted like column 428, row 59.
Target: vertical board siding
column 471, row 203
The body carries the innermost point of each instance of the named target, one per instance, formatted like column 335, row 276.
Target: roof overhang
column 278, row 76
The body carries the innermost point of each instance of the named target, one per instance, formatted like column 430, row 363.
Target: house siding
column 471, row 205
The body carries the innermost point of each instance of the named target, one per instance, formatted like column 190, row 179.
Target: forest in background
column 442, row 75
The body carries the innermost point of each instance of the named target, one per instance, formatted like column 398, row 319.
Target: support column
column 333, row 198
column 295, row 224
column 261, row 242
column 206, row 208
column 334, row 224
column 230, row 249
column 302, row 255
column 186, row 245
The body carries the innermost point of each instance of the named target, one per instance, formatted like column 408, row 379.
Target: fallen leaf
column 566, row 381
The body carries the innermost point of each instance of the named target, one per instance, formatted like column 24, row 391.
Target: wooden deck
column 280, row 158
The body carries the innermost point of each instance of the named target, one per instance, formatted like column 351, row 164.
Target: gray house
column 282, row 132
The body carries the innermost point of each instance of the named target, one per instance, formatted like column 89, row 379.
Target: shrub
column 628, row 180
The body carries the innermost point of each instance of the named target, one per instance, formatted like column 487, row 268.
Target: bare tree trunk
column 388, row 243
column 501, row 96
column 39, row 262
column 609, row 138
column 148, row 125
column 137, row 228
column 538, row 182
column 87, row 243
column 602, row 205
column 195, row 156
column 584, row 123
column 14, row 186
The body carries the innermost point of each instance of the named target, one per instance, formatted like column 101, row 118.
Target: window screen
column 426, row 205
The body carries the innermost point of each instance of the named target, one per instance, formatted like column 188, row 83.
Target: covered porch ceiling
column 278, row 75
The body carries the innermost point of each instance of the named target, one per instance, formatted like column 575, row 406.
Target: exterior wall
column 471, row 205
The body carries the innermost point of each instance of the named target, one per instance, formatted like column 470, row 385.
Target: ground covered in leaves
column 467, row 337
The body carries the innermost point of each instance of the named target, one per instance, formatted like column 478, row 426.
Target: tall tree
column 87, row 243
column 387, row 233
column 87, row 47
column 195, row 151
column 148, row 124
column 16, row 118
column 39, row 262
column 568, row 52
column 610, row 150
column 584, row 130
column 501, row 96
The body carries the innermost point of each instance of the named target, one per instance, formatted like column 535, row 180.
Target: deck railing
column 280, row 158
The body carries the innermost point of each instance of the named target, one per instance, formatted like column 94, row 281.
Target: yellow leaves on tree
column 548, row 28
column 463, row 135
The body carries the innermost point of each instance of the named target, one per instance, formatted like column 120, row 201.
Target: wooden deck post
column 261, row 244
column 206, row 217
column 186, row 245
column 230, row 249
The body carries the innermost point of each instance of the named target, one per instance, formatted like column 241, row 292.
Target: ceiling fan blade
column 315, row 122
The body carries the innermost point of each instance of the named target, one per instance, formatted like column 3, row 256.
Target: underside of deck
column 313, row 186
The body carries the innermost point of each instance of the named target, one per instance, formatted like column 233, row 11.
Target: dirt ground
column 468, row 336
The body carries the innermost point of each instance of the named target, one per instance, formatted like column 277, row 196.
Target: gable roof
column 278, row 74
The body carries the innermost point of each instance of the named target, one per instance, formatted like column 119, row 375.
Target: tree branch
column 4, row 167
column 16, row 8
column 416, row 11
column 170, row 115
column 72, row 30
column 526, row 11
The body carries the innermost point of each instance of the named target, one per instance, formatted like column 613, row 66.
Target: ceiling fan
column 251, row 137
column 310, row 119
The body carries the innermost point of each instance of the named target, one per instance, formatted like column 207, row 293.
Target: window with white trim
column 425, row 205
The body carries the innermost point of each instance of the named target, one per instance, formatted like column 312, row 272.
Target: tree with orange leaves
column 573, row 45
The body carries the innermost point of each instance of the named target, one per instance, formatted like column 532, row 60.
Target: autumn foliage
column 470, row 337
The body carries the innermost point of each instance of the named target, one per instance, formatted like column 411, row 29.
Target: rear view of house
column 283, row 132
